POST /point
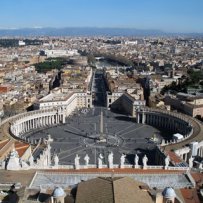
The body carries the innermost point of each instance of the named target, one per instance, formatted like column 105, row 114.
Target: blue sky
column 166, row 15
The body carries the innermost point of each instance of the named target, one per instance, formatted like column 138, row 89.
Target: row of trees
column 112, row 58
column 14, row 42
column 193, row 80
column 50, row 64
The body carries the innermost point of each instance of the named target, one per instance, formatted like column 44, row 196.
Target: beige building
column 188, row 104
column 69, row 100
column 124, row 102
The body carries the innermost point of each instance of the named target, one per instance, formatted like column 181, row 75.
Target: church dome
column 58, row 192
column 169, row 193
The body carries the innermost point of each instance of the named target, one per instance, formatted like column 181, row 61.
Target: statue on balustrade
column 191, row 159
column 49, row 139
column 31, row 160
column 13, row 161
column 77, row 162
column 145, row 160
column 56, row 160
column 122, row 160
column 87, row 159
column 167, row 161
column 100, row 160
column 110, row 159
column 136, row 160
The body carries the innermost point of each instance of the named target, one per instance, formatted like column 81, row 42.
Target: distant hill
column 86, row 31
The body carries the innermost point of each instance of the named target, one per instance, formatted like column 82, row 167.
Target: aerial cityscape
column 101, row 102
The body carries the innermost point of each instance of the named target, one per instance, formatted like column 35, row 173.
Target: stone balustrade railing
column 115, row 166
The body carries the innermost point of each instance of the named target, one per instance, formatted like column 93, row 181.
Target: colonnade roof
column 196, row 136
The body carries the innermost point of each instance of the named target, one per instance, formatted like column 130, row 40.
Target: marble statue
column 56, row 160
column 136, row 160
column 191, row 162
column 14, row 153
column 49, row 139
column 13, row 161
column 100, row 160
column 122, row 160
column 167, row 161
column 77, row 162
column 110, row 159
column 145, row 160
column 87, row 159
column 31, row 160
column 200, row 165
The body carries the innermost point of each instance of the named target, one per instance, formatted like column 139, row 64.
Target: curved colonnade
column 192, row 130
column 19, row 124
column 174, row 122
column 189, row 127
column 169, row 121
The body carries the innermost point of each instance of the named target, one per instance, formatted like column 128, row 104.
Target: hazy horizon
column 182, row 16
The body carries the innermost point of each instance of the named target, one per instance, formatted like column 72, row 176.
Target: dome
column 169, row 193
column 58, row 192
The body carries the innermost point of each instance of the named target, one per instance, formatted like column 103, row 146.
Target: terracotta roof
column 21, row 148
column 3, row 143
column 109, row 190
column 173, row 157
column 6, row 147
column 4, row 89
column 127, row 190
column 198, row 177
column 95, row 190
column 190, row 195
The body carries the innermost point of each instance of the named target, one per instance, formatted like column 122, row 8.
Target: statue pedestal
column 122, row 166
column 13, row 164
column 77, row 167
column 136, row 166
column 110, row 165
column 101, row 140
column 100, row 166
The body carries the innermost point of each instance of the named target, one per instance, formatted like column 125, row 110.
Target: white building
column 58, row 53
column 68, row 101
column 21, row 43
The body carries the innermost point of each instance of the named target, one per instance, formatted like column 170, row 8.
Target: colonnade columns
column 24, row 124
column 200, row 152
column 143, row 118
column 64, row 118
column 138, row 118
column 57, row 118
column 49, row 120
column 185, row 159
column 34, row 123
